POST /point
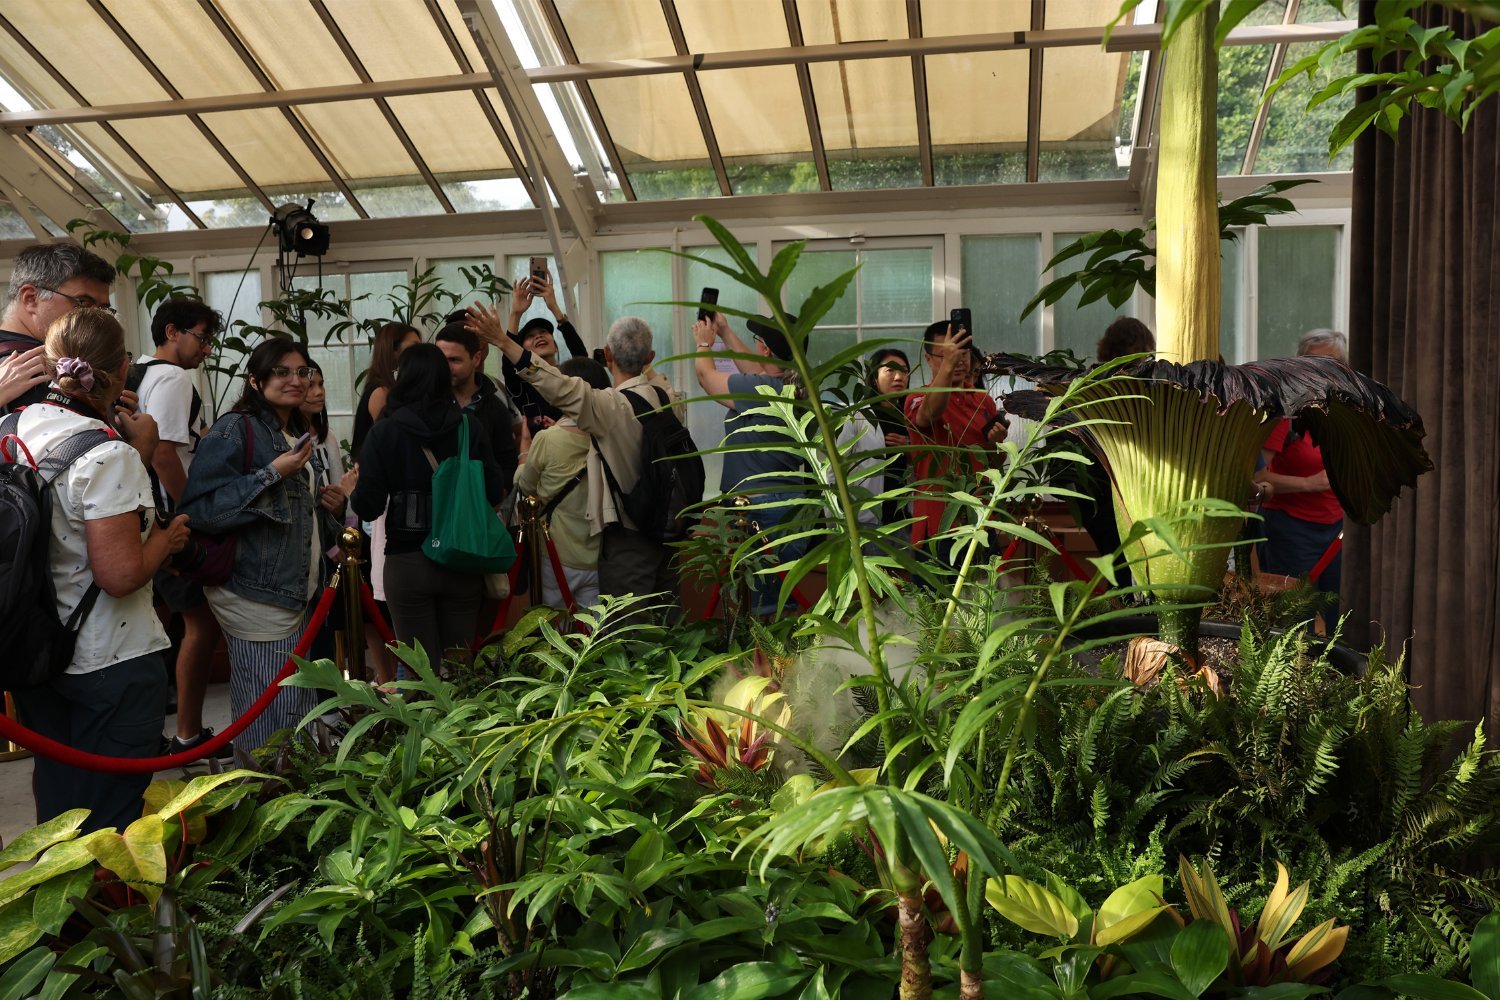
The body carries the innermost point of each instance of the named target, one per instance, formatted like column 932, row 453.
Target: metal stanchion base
column 9, row 750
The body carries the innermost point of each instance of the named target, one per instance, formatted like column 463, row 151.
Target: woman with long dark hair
column 432, row 606
column 890, row 370
column 391, row 341
column 251, row 478
column 105, row 545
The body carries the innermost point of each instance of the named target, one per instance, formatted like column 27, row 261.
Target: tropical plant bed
column 1219, row 645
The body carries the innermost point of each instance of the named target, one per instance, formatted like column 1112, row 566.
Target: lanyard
column 78, row 406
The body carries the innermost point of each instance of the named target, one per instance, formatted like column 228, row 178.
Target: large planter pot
column 1342, row 658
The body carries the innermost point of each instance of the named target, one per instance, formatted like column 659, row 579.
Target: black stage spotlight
column 299, row 230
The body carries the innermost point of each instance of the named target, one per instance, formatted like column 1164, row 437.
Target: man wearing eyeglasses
column 183, row 331
column 48, row 280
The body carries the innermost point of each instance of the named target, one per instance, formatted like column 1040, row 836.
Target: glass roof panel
column 371, row 29
column 1296, row 139
column 1242, row 78
column 264, row 144
column 601, row 30
column 63, row 29
column 756, row 111
column 651, row 120
column 185, row 46
column 290, row 43
column 825, row 22
column 176, row 150
column 715, row 26
column 865, row 104
column 357, row 139
column 451, row 133
column 1083, row 88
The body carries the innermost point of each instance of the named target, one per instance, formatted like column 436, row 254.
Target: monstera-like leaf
column 1169, row 434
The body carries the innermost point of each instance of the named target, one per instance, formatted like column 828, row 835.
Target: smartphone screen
column 961, row 319
column 708, row 295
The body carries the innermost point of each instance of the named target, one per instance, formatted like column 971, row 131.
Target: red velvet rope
column 1327, row 557
column 372, row 612
column 39, row 744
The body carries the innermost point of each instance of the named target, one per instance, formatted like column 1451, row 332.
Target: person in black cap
column 538, row 338
column 772, row 477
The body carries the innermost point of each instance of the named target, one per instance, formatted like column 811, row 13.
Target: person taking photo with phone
column 954, row 426
column 251, row 478
column 538, row 338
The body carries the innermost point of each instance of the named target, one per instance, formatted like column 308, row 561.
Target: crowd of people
column 228, row 523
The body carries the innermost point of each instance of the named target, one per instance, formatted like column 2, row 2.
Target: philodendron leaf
column 1030, row 906
column 136, row 856
column 1199, row 955
column 1128, row 910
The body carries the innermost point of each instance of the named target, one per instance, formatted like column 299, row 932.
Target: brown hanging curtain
column 1424, row 317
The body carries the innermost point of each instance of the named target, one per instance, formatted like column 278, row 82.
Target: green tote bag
column 467, row 535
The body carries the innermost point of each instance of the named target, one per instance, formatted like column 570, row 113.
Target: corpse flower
column 1168, row 434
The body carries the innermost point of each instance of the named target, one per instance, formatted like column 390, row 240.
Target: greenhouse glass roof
column 191, row 114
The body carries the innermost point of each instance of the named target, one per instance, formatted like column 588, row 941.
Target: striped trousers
column 252, row 666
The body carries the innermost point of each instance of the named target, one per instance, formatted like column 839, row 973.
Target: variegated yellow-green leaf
column 1282, row 909
column 1030, row 906
column 1315, row 949
column 17, row 930
column 31, row 843
column 189, row 794
column 136, row 856
column 59, row 859
column 1126, row 927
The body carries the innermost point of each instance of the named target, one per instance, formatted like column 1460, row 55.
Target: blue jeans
column 1294, row 546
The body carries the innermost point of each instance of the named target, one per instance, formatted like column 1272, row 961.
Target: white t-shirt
column 166, row 393
column 108, row 481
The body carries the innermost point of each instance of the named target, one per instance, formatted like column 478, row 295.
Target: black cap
column 531, row 326
column 772, row 337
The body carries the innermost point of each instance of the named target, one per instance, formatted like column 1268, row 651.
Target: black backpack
column 38, row 646
column 672, row 476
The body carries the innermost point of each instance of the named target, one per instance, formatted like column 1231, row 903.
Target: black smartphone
column 599, row 355
column 708, row 295
column 961, row 319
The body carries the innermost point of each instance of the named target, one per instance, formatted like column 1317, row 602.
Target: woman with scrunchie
column 281, row 521
column 111, row 699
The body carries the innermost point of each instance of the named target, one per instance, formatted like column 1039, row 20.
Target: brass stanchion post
column 532, row 542
column 350, row 545
column 9, row 750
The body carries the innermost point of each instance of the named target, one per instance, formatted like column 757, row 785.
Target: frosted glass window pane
column 1297, row 281
column 815, row 269
column 458, row 290
column 236, row 295
column 519, row 267
column 634, row 280
column 895, row 286
column 1000, row 275
column 1079, row 329
column 1231, row 300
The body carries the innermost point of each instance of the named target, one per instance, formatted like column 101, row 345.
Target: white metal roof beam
column 29, row 180
column 545, row 160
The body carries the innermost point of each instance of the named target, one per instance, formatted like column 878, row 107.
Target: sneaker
column 224, row 755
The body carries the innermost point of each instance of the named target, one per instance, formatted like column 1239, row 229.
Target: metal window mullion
column 695, row 92
column 67, row 170
column 176, row 95
column 296, row 123
column 1034, row 96
column 462, row 59
column 385, row 108
column 1263, row 112
column 586, row 95
column 919, row 92
column 109, row 130
column 809, row 98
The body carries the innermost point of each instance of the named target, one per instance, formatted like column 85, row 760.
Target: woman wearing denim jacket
column 266, row 501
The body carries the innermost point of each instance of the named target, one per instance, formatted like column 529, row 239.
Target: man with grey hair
column 48, row 280
column 1324, row 343
column 629, row 562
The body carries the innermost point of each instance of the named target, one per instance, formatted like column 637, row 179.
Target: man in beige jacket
column 629, row 562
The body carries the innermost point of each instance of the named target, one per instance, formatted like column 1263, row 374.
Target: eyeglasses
column 203, row 339
column 81, row 301
column 282, row 371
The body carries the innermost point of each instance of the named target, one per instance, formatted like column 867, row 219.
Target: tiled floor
column 18, row 810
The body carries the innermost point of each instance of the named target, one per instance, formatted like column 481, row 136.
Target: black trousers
column 117, row 711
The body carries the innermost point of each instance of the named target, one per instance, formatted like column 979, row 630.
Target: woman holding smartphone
column 251, row 478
